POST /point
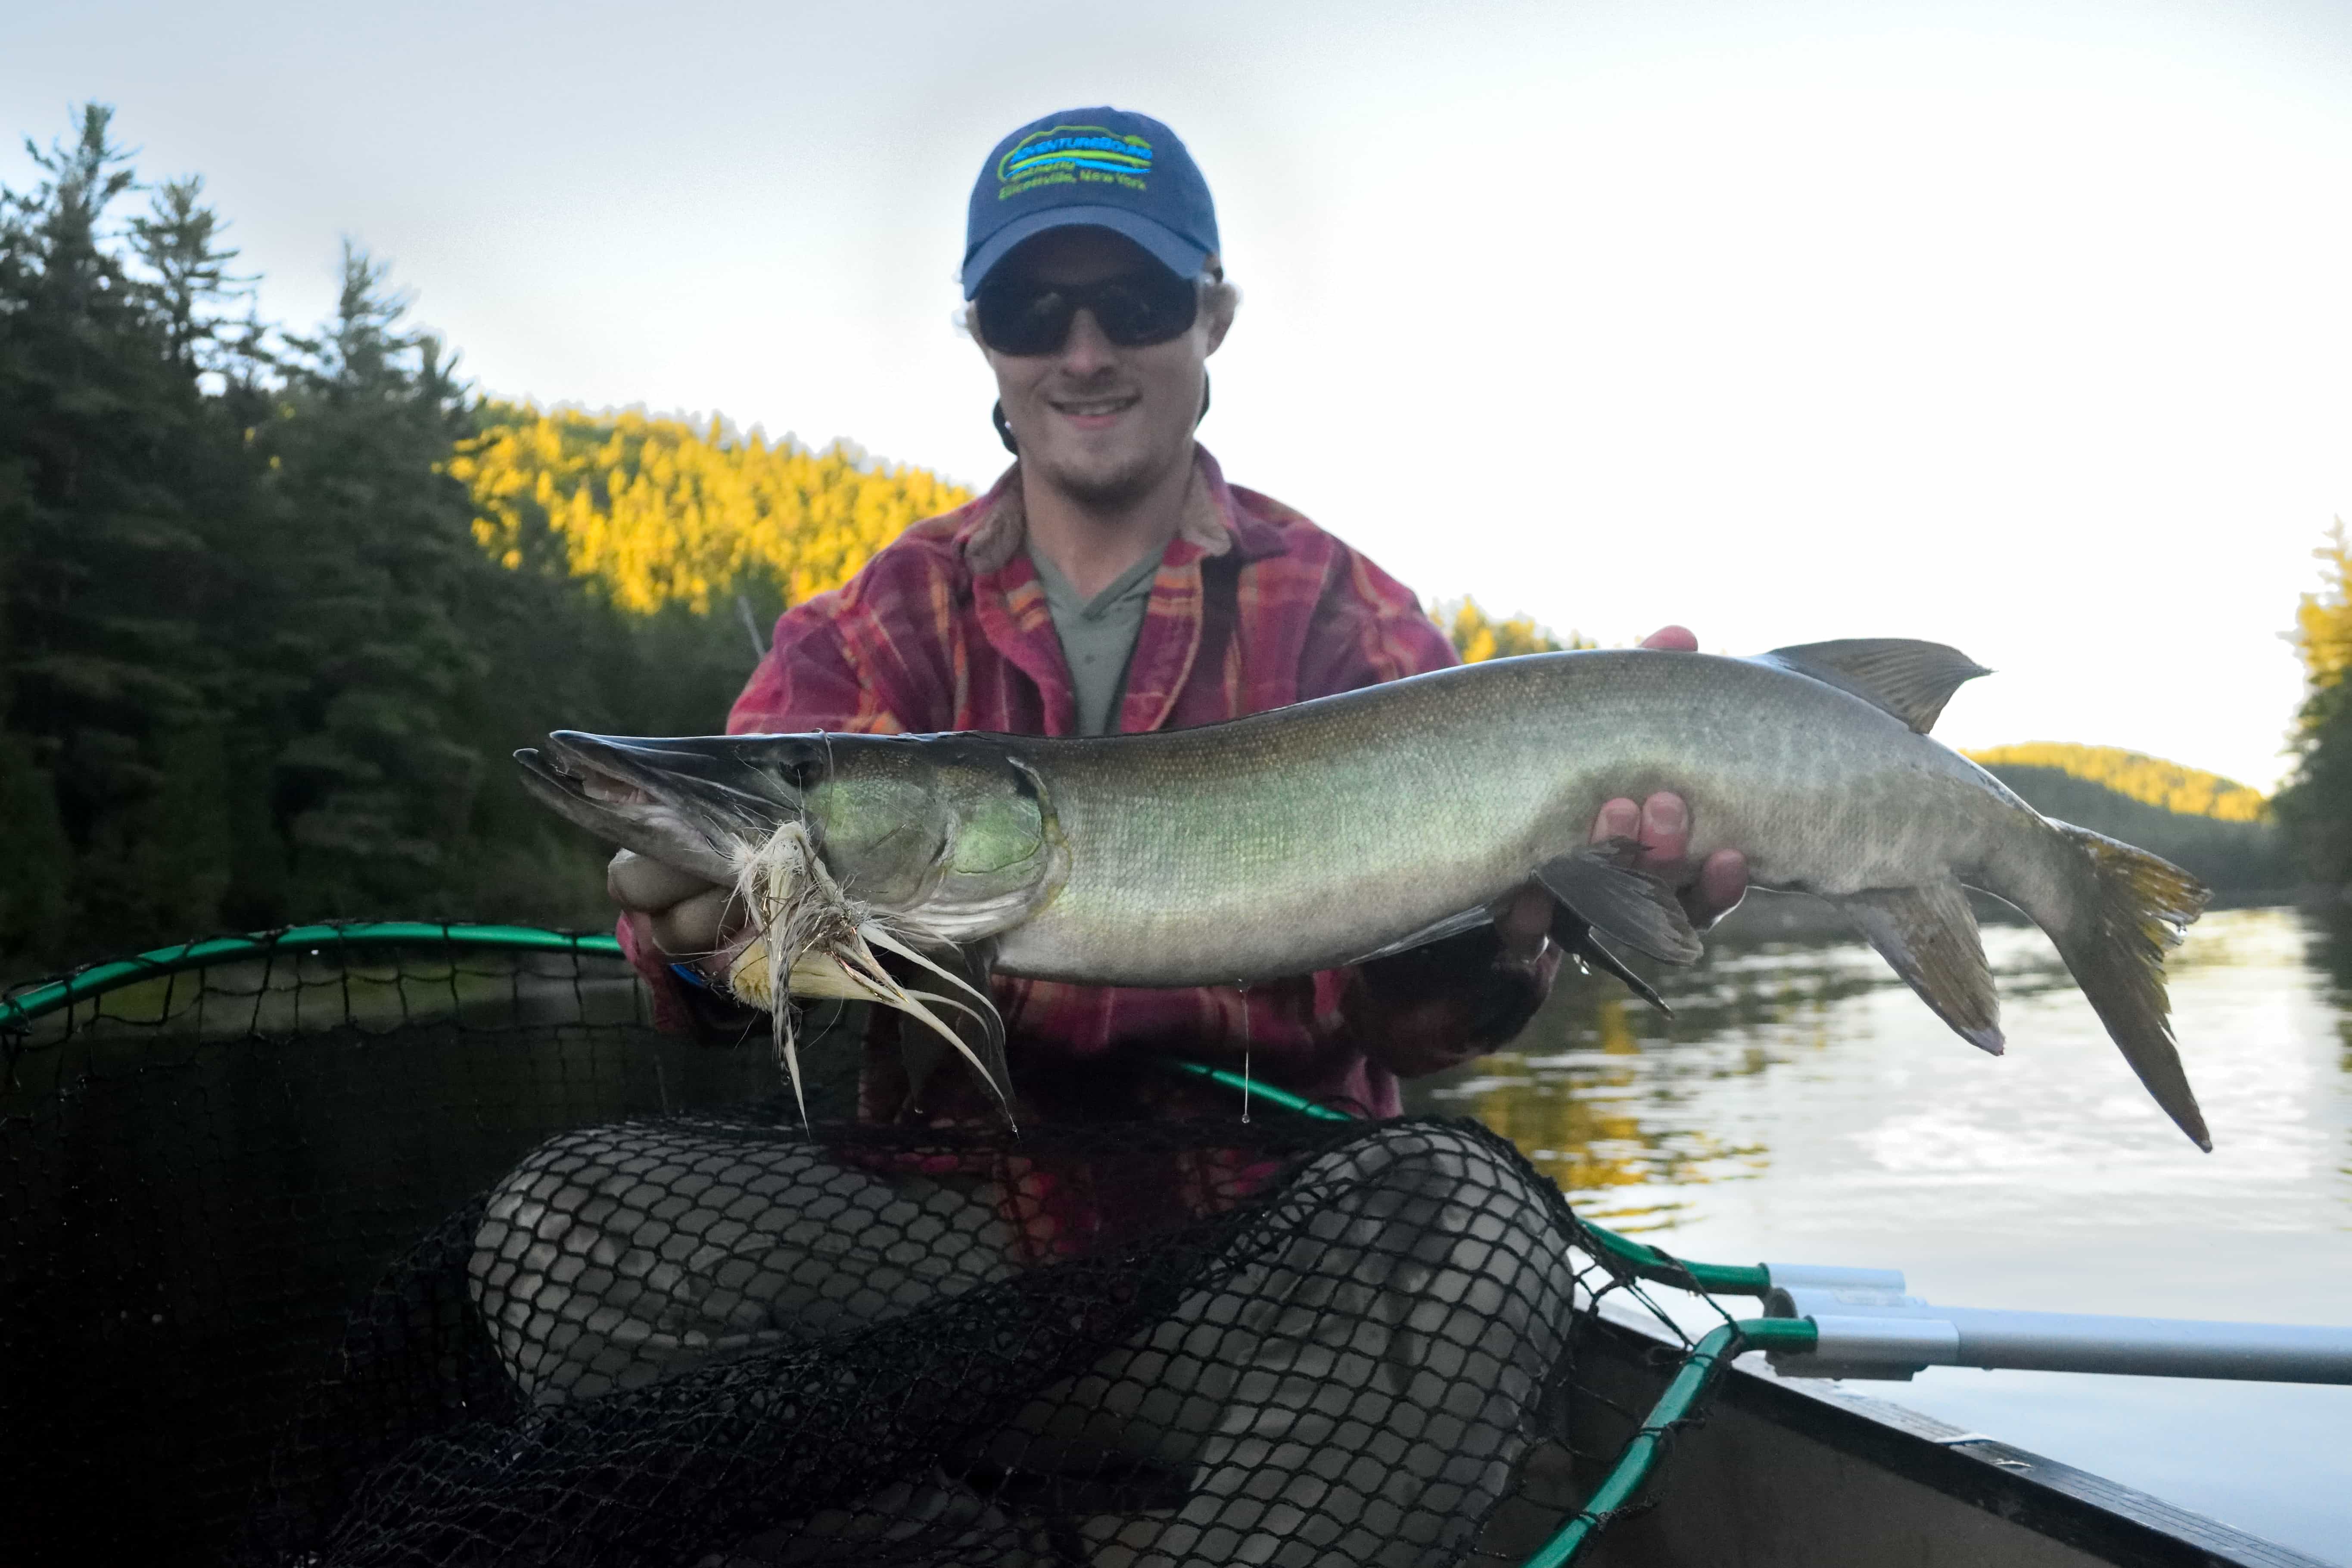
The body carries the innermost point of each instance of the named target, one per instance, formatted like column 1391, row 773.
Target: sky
column 2020, row 327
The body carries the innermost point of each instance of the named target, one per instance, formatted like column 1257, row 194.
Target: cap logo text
column 1072, row 155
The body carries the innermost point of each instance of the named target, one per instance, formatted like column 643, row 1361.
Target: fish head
column 692, row 802
column 953, row 835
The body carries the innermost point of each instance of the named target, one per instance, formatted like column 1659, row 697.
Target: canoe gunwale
column 2102, row 1518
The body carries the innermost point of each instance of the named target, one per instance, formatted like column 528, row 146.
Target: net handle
column 19, row 1010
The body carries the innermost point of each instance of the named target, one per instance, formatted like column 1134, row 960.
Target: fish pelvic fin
column 1910, row 680
column 1574, row 936
column 1929, row 935
column 2140, row 906
column 1615, row 897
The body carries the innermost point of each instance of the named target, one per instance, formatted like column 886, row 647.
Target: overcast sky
column 2025, row 328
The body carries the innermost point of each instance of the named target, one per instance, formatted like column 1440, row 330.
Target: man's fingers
column 1665, row 829
column 695, row 927
column 638, row 882
column 1673, row 639
column 1722, row 883
column 1661, row 824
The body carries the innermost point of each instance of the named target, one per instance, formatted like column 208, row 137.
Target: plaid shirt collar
column 1009, row 601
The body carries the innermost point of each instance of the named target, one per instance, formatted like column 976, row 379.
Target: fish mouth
column 691, row 803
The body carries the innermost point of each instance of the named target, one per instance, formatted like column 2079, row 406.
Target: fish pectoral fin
column 1929, row 935
column 1910, row 680
column 1601, row 883
column 1573, row 933
column 1436, row 931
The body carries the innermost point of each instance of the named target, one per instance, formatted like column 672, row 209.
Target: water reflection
column 1804, row 1105
column 1802, row 1063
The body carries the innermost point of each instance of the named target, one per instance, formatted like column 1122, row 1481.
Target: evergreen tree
column 103, row 567
column 2317, row 805
column 361, row 655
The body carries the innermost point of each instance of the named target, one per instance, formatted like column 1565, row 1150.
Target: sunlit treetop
column 2323, row 623
column 659, row 513
column 1477, row 636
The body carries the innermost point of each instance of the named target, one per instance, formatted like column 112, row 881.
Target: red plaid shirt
column 946, row 628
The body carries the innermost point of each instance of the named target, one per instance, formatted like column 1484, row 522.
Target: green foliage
column 658, row 513
column 1477, row 636
column 118, row 467
column 2317, row 803
column 255, row 665
column 39, row 862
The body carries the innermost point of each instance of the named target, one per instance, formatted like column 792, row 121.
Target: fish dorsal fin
column 1912, row 680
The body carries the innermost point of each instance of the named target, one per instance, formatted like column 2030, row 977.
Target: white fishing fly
column 823, row 942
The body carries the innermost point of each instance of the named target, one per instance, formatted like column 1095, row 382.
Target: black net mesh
column 652, row 1320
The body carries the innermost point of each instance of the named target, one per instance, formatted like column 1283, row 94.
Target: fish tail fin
column 2138, row 906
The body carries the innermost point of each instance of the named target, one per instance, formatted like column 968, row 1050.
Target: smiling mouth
column 1094, row 407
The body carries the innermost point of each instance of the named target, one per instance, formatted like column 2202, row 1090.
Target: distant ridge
column 2152, row 780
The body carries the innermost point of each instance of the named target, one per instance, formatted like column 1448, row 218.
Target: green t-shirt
column 1097, row 636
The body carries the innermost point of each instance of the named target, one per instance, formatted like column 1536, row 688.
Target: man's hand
column 675, row 913
column 1661, row 824
column 1413, row 1030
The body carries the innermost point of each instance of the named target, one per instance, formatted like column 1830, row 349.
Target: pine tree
column 361, row 656
column 2317, row 805
column 102, row 565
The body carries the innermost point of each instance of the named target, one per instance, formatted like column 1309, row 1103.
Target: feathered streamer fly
column 808, row 929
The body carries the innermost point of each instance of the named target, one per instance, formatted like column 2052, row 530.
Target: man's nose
column 1087, row 352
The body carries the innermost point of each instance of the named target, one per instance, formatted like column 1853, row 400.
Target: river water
column 1802, row 1106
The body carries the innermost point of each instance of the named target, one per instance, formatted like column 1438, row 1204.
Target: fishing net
column 408, row 1246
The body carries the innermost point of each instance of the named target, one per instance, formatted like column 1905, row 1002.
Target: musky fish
column 1364, row 823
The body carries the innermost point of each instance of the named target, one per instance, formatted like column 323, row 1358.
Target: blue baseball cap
column 1091, row 168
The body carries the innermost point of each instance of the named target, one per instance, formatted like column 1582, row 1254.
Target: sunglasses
column 1022, row 317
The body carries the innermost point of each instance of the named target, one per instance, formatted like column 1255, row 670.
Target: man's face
column 1101, row 423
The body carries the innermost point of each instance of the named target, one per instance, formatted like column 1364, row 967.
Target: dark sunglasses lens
column 1028, row 319
column 1023, row 321
column 1138, row 311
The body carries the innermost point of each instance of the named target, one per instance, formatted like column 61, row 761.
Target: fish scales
column 1263, row 848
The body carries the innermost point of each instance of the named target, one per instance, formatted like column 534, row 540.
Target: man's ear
column 1219, row 307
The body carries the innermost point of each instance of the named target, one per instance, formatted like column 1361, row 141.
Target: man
column 1112, row 581
column 1371, row 1373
